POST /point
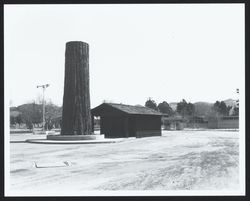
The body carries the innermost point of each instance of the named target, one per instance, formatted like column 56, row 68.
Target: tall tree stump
column 76, row 115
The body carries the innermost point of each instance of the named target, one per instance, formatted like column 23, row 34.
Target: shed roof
column 129, row 109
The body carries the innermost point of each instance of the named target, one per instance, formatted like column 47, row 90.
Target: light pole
column 44, row 87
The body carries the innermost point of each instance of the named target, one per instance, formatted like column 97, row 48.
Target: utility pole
column 44, row 87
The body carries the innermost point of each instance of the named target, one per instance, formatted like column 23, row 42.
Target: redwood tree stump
column 76, row 115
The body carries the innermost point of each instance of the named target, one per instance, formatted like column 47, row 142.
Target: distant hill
column 230, row 102
column 173, row 105
column 14, row 113
column 202, row 108
column 13, row 109
column 31, row 108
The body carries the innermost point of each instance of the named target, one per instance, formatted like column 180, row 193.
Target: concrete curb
column 75, row 137
column 45, row 141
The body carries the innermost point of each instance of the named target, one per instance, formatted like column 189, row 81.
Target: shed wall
column 148, row 126
column 113, row 127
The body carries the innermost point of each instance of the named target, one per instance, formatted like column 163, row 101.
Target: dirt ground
column 179, row 160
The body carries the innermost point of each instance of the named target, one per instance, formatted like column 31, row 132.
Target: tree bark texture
column 76, row 115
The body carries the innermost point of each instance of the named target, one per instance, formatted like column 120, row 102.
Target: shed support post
column 93, row 123
column 101, row 126
column 126, row 129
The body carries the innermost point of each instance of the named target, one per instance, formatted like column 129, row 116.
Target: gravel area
column 179, row 160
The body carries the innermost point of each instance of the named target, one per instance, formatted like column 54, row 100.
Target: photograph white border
column 242, row 170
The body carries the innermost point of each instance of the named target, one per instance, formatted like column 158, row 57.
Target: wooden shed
column 119, row 120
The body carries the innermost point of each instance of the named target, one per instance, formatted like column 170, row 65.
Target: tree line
column 187, row 109
column 30, row 114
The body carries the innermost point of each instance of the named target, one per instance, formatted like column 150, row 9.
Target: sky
column 166, row 52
